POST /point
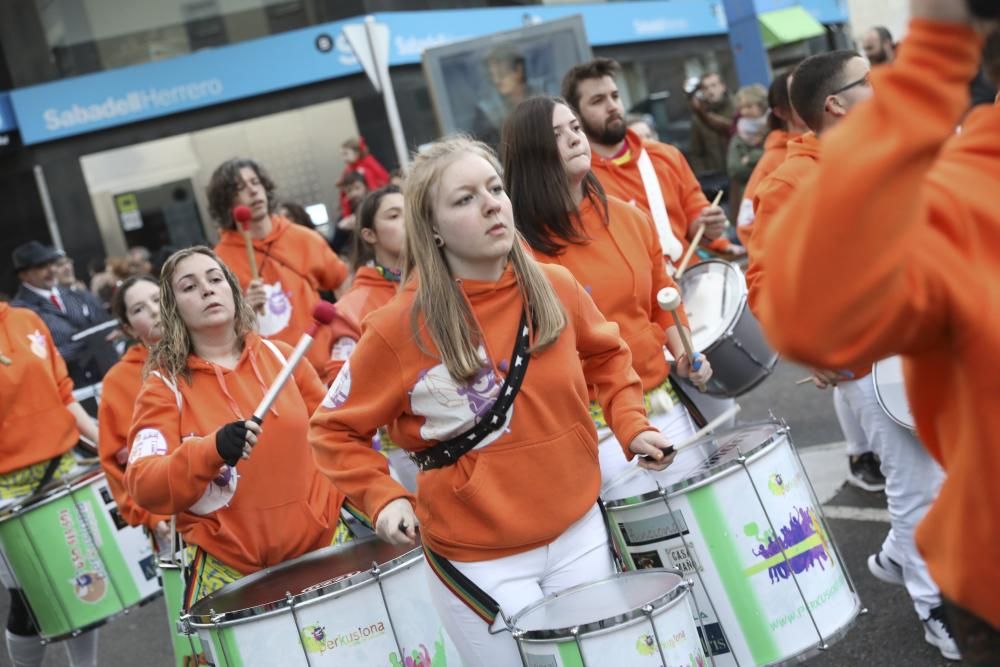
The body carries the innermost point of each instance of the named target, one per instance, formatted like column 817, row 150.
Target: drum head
column 715, row 453
column 599, row 605
column 890, row 390
column 713, row 292
column 313, row 575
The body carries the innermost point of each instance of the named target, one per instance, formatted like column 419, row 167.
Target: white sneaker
column 885, row 569
column 938, row 634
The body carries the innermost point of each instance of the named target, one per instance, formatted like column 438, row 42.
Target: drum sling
column 447, row 452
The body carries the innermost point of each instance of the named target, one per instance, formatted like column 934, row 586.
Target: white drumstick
column 670, row 299
column 701, row 433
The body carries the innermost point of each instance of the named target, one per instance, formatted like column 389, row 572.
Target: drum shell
column 77, row 573
column 714, row 533
column 187, row 648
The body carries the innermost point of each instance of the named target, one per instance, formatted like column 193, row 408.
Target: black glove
column 230, row 441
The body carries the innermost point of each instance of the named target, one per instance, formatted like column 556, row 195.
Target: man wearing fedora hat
column 65, row 312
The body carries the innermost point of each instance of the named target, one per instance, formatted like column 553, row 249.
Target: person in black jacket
column 66, row 313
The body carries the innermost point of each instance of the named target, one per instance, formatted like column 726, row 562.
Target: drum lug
column 647, row 609
column 216, row 618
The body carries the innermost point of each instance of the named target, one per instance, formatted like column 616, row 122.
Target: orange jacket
column 545, row 458
column 294, row 263
column 119, row 390
column 369, row 291
column 681, row 191
column 894, row 248
column 34, row 392
column 622, row 269
column 273, row 506
column 775, row 152
column 772, row 196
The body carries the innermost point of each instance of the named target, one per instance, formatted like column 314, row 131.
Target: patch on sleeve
column 340, row 389
column 148, row 442
column 218, row 493
column 746, row 215
column 343, row 347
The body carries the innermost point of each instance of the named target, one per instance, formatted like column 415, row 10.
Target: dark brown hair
column 222, row 189
column 536, row 182
column 361, row 251
column 814, row 80
column 781, row 105
column 598, row 68
column 118, row 308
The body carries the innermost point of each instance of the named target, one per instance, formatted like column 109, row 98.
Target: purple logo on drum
column 421, row 657
column 802, row 546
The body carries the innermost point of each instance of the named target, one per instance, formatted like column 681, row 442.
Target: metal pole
column 50, row 215
column 389, row 98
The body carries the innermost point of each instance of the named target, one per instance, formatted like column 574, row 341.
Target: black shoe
column 864, row 473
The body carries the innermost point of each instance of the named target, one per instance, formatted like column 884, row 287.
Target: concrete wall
column 893, row 14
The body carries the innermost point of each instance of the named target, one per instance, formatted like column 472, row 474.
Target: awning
column 784, row 26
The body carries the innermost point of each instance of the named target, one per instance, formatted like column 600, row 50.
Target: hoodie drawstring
column 482, row 332
column 233, row 405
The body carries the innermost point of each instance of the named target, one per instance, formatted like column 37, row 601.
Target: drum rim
column 65, row 486
column 700, row 267
column 677, row 592
column 881, row 403
column 206, row 618
column 691, row 483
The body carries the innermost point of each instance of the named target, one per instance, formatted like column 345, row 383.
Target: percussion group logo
column 646, row 646
column 316, row 639
column 802, row 546
column 278, row 312
column 89, row 581
column 779, row 485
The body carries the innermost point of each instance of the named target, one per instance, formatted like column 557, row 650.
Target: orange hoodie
column 681, row 191
column 370, row 291
column 622, row 269
column 294, row 263
column 528, row 482
column 34, row 392
column 775, row 152
column 270, row 508
column 907, row 207
column 119, row 389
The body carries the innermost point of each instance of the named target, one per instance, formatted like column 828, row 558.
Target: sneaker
column 864, row 473
column 885, row 569
column 938, row 633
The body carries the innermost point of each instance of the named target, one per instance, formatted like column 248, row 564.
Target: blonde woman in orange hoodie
column 136, row 304
column 378, row 245
column 510, row 514
column 248, row 496
column 293, row 262
column 610, row 247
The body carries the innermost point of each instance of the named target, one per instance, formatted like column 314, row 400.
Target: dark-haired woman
column 609, row 246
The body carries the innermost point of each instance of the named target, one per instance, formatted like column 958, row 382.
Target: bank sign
column 215, row 76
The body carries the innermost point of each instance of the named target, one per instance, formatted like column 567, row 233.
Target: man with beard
column 713, row 113
column 651, row 175
column 878, row 46
column 889, row 248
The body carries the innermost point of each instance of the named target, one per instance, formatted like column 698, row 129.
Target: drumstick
column 670, row 299
column 695, row 437
column 682, row 267
column 242, row 216
column 804, row 380
column 323, row 313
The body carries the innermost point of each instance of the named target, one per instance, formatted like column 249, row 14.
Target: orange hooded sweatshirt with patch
column 621, row 268
column 542, row 465
column 369, row 291
column 681, row 191
column 119, row 390
column 34, row 392
column 295, row 263
column 775, row 152
column 265, row 510
column 894, row 248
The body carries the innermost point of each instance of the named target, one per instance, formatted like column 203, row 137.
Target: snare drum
column 635, row 618
column 890, row 390
column 724, row 329
column 76, row 560
column 737, row 513
column 360, row 604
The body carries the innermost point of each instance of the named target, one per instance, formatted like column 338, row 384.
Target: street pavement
column 888, row 635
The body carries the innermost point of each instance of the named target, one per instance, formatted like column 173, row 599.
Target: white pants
column 912, row 480
column 857, row 443
column 579, row 555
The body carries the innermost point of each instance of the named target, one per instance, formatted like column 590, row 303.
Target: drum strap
column 475, row 598
column 50, row 470
column 654, row 196
column 445, row 453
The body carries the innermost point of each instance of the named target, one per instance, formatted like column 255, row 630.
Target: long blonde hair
column 170, row 355
column 446, row 313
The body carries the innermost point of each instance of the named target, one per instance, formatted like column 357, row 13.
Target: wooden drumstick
column 804, row 380
column 670, row 299
column 689, row 253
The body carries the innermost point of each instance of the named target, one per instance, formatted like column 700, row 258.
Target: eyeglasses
column 863, row 81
